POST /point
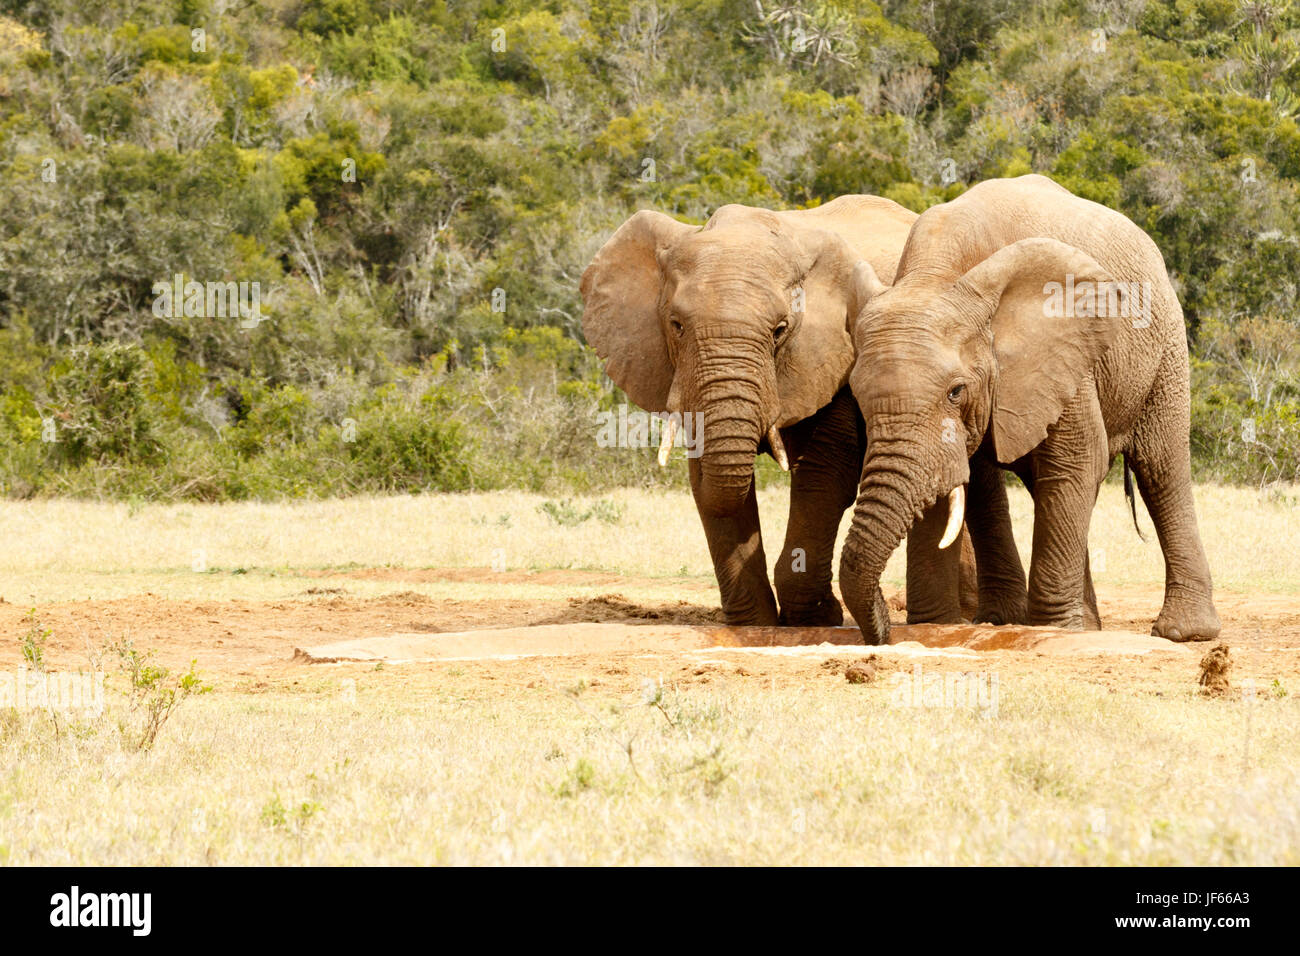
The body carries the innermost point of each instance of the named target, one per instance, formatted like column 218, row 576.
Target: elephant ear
column 815, row 364
column 620, row 316
column 1053, row 311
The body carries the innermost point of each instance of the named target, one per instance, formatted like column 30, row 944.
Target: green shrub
column 566, row 514
column 99, row 406
column 268, row 418
column 408, row 450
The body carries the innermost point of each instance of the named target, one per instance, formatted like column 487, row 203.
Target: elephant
column 1032, row 331
column 746, row 321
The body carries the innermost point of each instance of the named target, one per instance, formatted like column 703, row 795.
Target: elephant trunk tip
column 864, row 599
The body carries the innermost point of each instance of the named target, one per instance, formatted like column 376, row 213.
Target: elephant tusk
column 778, row 448
column 666, row 440
column 956, row 511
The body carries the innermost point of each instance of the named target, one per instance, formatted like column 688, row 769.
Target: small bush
column 99, row 403
column 33, row 642
column 409, row 450
column 566, row 514
column 154, row 694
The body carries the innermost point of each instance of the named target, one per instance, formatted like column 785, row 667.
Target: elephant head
column 744, row 322
column 944, row 366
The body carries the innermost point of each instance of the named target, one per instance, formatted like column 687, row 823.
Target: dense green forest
column 415, row 189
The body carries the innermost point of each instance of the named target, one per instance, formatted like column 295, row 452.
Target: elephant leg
column 1067, row 470
column 1091, row 616
column 823, row 483
column 968, row 578
column 1003, row 593
column 1161, row 460
column 736, row 546
column 933, row 576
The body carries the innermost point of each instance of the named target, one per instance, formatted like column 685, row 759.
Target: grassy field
column 66, row 550
column 634, row 758
column 1066, row 773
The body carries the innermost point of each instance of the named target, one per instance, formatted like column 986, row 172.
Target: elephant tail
column 1128, row 494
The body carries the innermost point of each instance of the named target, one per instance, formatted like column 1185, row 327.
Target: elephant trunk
column 736, row 398
column 885, row 509
column 900, row 482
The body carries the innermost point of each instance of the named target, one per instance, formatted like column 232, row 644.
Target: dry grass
column 1066, row 773
column 62, row 550
column 438, row 765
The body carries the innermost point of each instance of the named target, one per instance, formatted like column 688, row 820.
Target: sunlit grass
column 429, row 764
column 733, row 773
column 60, row 550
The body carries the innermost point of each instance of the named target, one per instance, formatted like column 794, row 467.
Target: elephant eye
column 781, row 328
column 955, row 393
column 676, row 327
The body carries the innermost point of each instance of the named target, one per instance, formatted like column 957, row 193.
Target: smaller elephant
column 745, row 322
column 1033, row 331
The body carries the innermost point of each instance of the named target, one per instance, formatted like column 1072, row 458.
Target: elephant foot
column 951, row 616
column 1187, row 616
column 1002, row 609
column 749, row 619
column 824, row 613
column 1073, row 619
column 749, row 613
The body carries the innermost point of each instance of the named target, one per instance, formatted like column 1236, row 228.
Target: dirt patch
column 569, row 640
column 862, row 671
column 556, row 577
column 1216, row 666
column 615, row 607
column 578, row 638
column 246, row 643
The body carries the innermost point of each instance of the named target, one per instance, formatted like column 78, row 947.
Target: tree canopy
column 416, row 189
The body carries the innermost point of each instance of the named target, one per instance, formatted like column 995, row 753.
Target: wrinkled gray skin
column 705, row 319
column 963, row 369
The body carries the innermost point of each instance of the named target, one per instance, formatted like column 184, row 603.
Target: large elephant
column 746, row 321
column 1031, row 330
